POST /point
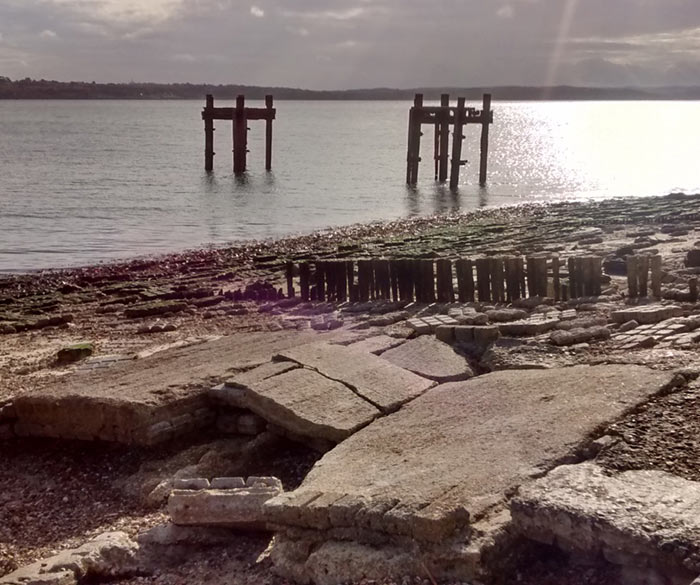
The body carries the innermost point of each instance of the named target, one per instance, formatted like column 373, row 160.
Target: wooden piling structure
column 465, row 280
column 445, row 286
column 556, row 281
column 304, row 279
column 497, row 276
column 485, row 121
column 483, row 279
column 289, row 273
column 364, row 279
column 643, row 275
column 240, row 115
column 440, row 117
column 632, row 278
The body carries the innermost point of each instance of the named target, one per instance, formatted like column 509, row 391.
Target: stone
column 417, row 478
column 237, row 507
column 155, row 308
column 446, row 334
column 485, row 335
column 692, row 258
column 197, row 483
column 505, row 315
column 227, row 483
column 628, row 326
column 528, row 327
column 647, row 314
column 74, row 353
column 646, row 519
column 473, row 318
column 107, row 556
column 579, row 335
column 229, row 393
column 373, row 378
column 430, row 358
column 307, row 403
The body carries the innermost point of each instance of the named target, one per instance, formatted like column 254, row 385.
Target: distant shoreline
column 74, row 90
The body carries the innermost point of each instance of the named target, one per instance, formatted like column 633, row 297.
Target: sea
column 85, row 182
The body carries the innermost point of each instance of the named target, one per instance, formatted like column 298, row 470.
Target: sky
column 342, row 44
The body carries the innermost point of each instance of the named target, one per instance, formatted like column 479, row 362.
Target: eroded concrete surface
column 431, row 479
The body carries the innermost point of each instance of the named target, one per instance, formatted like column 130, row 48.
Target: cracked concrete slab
column 381, row 383
column 430, row 358
column 449, row 458
column 645, row 521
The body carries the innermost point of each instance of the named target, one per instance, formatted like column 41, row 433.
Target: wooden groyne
column 240, row 115
column 490, row 279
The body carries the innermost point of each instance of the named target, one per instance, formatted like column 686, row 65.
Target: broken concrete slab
column 528, row 327
column 305, row 403
column 645, row 521
column 145, row 401
column 579, row 335
column 377, row 344
column 647, row 314
column 514, row 354
column 423, row 473
column 381, row 383
column 108, row 555
column 230, row 504
column 430, row 358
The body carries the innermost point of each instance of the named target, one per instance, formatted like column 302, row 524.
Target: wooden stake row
column 638, row 268
column 498, row 279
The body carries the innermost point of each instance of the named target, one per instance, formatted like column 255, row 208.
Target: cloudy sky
column 338, row 44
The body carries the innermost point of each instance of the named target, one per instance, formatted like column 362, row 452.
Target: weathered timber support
column 240, row 136
column 573, row 278
column 632, row 277
column 209, row 134
column 643, row 275
column 428, row 280
column 268, row 134
column 457, row 140
column 485, row 121
column 497, row 275
column 320, row 281
column 445, row 286
column 304, row 280
column 556, row 281
column 414, row 136
column 382, row 279
column 444, row 117
column 394, row 278
column 289, row 273
column 364, row 279
column 465, row 280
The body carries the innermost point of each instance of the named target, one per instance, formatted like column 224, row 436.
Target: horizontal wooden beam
column 229, row 113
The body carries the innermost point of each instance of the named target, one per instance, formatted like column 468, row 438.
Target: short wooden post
column 597, row 271
column 208, row 116
column 268, row 134
column 304, row 278
column 693, row 289
column 564, row 292
column 329, row 273
column 556, row 282
column 457, row 139
column 485, row 121
column 240, row 136
column 531, row 277
column 573, row 278
column 319, row 281
column 520, row 263
column 632, row 280
column 656, row 276
column 394, row 277
column 444, row 135
column 585, row 280
column 512, row 280
column 382, row 279
column 483, row 279
column 465, row 280
column 364, row 279
column 541, row 279
column 289, row 270
column 498, row 292
column 414, row 135
column 428, row 274
column 341, row 281
column 405, row 272
column 643, row 275
column 445, row 287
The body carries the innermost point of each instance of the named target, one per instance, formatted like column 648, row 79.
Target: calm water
column 83, row 182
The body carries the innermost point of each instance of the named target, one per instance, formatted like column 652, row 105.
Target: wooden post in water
column 444, row 135
column 240, row 136
column 457, row 139
column 209, row 134
column 414, row 135
column 268, row 134
column 485, row 121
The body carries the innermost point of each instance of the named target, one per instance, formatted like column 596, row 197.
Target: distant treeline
column 44, row 89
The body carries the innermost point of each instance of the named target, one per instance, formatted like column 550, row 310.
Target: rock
column 505, row 315
column 416, row 478
column 638, row 519
column 528, row 327
column 74, row 353
column 153, row 309
column 647, row 314
column 374, row 379
column 445, row 334
column 306, row 403
column 168, row 535
column 198, row 483
column 430, row 358
column 628, row 326
column 692, row 258
column 377, row 344
column 579, row 335
column 473, row 318
column 109, row 555
column 234, row 507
